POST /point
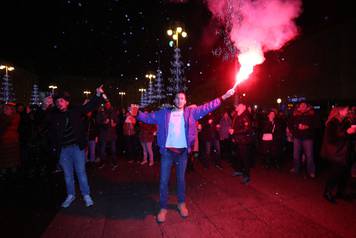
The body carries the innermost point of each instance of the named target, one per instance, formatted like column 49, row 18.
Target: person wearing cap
column 175, row 137
column 67, row 140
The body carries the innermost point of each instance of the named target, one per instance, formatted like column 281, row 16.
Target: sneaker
column 143, row 162
column 161, row 217
column 246, row 180
column 151, row 163
column 237, row 173
column 183, row 211
column 70, row 198
column 88, row 201
column 218, row 166
column 101, row 166
column 312, row 175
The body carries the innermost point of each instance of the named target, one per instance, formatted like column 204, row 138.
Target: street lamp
column 150, row 76
column 279, row 101
column 7, row 68
column 86, row 92
column 122, row 94
column 52, row 87
column 142, row 90
column 175, row 34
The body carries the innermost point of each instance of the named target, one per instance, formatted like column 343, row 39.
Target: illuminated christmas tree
column 177, row 81
column 7, row 94
column 35, row 97
column 150, row 93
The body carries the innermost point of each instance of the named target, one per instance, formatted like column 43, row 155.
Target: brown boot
column 183, row 211
column 161, row 217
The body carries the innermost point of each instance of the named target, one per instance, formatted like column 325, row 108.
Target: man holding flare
column 175, row 137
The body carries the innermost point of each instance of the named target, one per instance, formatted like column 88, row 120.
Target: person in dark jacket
column 302, row 125
column 336, row 148
column 272, row 134
column 106, row 120
column 210, row 137
column 224, row 136
column 67, row 138
column 176, row 133
column 9, row 138
column 243, row 139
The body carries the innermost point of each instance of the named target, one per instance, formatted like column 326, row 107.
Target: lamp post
column 150, row 76
column 7, row 69
column 52, row 87
column 122, row 94
column 279, row 101
column 175, row 34
column 86, row 93
column 177, row 81
column 150, row 92
column 142, row 90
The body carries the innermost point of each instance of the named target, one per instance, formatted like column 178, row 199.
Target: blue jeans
column 180, row 160
column 147, row 149
column 91, row 150
column 72, row 157
column 305, row 146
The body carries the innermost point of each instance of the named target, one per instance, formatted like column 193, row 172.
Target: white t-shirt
column 176, row 131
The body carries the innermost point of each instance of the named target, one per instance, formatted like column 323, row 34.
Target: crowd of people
column 39, row 140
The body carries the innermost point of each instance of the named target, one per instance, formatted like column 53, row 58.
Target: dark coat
column 336, row 145
column 277, row 129
column 243, row 129
column 209, row 132
column 9, row 141
column 91, row 127
column 106, row 131
column 307, row 118
column 55, row 122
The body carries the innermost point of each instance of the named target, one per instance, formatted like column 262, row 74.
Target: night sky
column 124, row 39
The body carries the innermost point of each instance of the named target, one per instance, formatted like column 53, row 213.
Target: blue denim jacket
column 191, row 115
